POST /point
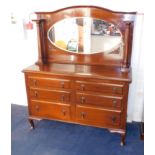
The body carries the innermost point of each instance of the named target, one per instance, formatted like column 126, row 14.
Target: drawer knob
column 114, row 103
column 35, row 82
column 83, row 115
column 113, row 118
column 37, row 108
column 62, row 84
column 82, row 99
column 82, row 87
column 35, row 93
column 114, row 89
column 63, row 98
column 63, row 112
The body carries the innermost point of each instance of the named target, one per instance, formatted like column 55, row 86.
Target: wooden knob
column 82, row 99
column 35, row 82
column 114, row 103
column 83, row 115
column 62, row 97
column 113, row 118
column 82, row 87
column 62, row 84
column 35, row 93
column 63, row 112
column 37, row 108
column 114, row 89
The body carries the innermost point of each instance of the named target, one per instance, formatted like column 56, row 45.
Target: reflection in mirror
column 85, row 35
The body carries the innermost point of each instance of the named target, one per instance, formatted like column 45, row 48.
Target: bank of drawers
column 96, row 103
column 49, row 97
column 99, row 103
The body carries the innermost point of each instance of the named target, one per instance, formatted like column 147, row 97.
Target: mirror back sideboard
column 88, row 88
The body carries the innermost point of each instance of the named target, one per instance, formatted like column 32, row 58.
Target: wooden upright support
column 42, row 58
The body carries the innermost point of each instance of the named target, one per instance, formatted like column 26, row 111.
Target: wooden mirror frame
column 48, row 53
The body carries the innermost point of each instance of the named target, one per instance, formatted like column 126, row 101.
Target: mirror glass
column 85, row 35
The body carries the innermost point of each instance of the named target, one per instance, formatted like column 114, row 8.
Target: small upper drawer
column 99, row 87
column 41, row 82
column 99, row 100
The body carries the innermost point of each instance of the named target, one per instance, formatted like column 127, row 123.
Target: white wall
column 23, row 52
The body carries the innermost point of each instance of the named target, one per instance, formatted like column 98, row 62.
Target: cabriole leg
column 123, row 135
column 31, row 123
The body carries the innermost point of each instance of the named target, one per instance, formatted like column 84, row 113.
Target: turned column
column 128, row 31
column 42, row 58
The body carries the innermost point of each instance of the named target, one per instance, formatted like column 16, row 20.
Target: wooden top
column 73, row 70
column 86, row 6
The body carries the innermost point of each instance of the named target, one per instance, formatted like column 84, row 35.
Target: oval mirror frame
column 86, row 35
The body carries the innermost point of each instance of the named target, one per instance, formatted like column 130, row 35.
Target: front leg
column 123, row 135
column 31, row 123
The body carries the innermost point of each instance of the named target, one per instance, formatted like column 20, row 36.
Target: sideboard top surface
column 80, row 71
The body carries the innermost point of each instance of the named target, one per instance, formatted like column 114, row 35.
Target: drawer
column 99, row 87
column 99, row 117
column 50, row 95
column 48, row 83
column 49, row 110
column 99, row 100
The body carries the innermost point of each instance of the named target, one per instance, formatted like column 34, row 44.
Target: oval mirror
column 85, row 35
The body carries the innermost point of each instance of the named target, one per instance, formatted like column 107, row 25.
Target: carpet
column 57, row 138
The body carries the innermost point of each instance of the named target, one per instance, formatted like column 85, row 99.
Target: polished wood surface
column 103, row 87
column 82, row 89
column 103, row 98
column 51, row 95
column 98, row 100
column 49, row 110
column 98, row 116
column 42, row 82
column 72, row 70
column 50, row 53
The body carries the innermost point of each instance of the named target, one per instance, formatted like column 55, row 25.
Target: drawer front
column 93, row 116
column 99, row 100
column 49, row 110
column 50, row 95
column 99, row 87
column 48, row 83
